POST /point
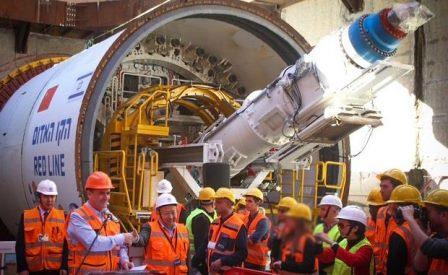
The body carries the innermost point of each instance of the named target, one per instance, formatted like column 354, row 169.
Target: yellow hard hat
column 206, row 194
column 242, row 201
column 300, row 211
column 255, row 192
column 405, row 194
column 375, row 197
column 286, row 202
column 225, row 193
column 437, row 197
column 395, row 174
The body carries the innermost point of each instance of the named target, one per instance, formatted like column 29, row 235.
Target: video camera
column 419, row 214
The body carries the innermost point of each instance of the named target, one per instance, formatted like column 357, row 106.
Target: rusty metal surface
column 82, row 16
column 91, row 16
column 34, row 11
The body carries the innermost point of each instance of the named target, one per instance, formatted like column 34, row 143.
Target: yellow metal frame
column 121, row 156
column 135, row 124
column 321, row 181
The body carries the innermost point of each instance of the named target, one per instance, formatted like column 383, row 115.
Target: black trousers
column 45, row 272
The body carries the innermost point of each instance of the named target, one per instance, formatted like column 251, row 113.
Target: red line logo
column 47, row 99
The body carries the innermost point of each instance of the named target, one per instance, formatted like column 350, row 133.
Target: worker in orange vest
column 400, row 240
column 275, row 238
column 258, row 229
column 227, row 245
column 40, row 245
column 89, row 252
column 374, row 201
column 299, row 248
column 166, row 241
column 432, row 252
column 165, row 187
column 389, row 180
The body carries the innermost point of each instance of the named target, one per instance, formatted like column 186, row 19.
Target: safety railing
column 113, row 163
column 104, row 161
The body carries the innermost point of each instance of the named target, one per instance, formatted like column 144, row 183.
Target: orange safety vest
column 98, row 260
column 44, row 241
column 223, row 237
column 381, row 243
column 370, row 231
column 155, row 215
column 241, row 215
column 438, row 267
column 257, row 253
column 289, row 248
column 405, row 232
column 166, row 255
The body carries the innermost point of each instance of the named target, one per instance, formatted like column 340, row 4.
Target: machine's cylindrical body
column 297, row 98
column 39, row 124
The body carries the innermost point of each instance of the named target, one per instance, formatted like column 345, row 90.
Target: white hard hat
column 331, row 200
column 164, row 187
column 47, row 187
column 353, row 213
column 165, row 199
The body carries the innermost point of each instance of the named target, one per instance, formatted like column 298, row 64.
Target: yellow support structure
column 321, row 181
column 138, row 125
column 120, row 157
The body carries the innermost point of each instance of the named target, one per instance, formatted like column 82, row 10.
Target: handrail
column 321, row 181
column 122, row 155
column 141, row 169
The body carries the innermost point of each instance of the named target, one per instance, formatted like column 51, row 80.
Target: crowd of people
column 403, row 233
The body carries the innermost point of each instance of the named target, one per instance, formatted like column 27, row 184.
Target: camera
column 419, row 214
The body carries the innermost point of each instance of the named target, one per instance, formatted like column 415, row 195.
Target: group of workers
column 403, row 235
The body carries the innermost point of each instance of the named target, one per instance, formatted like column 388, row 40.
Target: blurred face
column 347, row 231
column 251, row 204
column 168, row 215
column 437, row 218
column 98, row 198
column 386, row 187
column 241, row 209
column 222, row 206
column 46, row 201
column 290, row 224
column 393, row 208
column 209, row 205
column 282, row 213
column 328, row 213
column 373, row 210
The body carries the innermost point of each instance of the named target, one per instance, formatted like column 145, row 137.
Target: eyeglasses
column 342, row 225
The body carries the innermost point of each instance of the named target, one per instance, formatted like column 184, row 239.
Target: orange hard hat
column 99, row 180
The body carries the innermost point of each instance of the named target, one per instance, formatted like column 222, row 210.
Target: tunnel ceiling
column 253, row 61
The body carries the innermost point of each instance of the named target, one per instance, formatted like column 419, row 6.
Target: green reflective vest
column 333, row 234
column 340, row 268
column 189, row 221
